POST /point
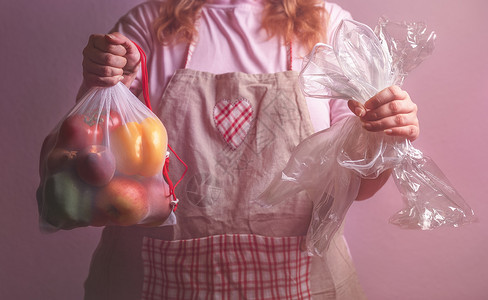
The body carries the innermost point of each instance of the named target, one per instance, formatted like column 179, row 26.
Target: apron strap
column 192, row 45
column 289, row 53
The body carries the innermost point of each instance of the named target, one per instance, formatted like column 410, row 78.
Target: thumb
column 356, row 107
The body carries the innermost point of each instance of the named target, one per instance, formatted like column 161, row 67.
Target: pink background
column 41, row 62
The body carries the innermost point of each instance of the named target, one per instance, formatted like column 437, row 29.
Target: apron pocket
column 231, row 266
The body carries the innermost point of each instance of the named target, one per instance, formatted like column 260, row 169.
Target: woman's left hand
column 391, row 111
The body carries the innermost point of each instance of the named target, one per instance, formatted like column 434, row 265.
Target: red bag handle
column 145, row 93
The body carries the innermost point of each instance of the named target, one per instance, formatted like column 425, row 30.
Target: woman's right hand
column 108, row 59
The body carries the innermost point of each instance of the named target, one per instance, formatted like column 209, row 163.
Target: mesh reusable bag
column 329, row 164
column 104, row 164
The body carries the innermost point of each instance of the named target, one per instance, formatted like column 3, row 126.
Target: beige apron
column 235, row 131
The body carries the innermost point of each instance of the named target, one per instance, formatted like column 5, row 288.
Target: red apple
column 123, row 201
column 79, row 131
column 96, row 165
column 60, row 159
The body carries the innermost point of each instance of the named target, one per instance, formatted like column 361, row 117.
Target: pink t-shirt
column 230, row 39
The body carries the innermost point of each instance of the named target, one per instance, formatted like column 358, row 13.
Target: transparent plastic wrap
column 329, row 164
column 102, row 165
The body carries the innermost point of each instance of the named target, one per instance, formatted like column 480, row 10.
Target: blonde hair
column 303, row 20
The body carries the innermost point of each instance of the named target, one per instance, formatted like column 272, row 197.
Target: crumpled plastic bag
column 329, row 165
column 102, row 165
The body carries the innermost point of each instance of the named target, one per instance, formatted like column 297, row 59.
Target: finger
column 386, row 95
column 94, row 80
column 105, row 51
column 131, row 51
column 356, row 107
column 101, row 70
column 392, row 108
column 104, row 44
column 399, row 120
column 119, row 39
column 410, row 132
column 104, row 58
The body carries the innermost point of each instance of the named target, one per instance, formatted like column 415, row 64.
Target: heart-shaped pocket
column 233, row 120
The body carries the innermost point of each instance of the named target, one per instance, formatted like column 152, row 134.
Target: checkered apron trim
column 233, row 266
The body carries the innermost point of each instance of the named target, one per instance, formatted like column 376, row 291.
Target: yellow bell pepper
column 140, row 148
column 154, row 145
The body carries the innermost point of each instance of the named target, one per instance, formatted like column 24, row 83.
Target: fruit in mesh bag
column 59, row 159
column 95, row 165
column 123, row 201
column 160, row 201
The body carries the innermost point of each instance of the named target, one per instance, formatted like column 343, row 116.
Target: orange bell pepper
column 140, row 148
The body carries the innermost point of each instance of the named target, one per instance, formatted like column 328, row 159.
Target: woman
column 223, row 80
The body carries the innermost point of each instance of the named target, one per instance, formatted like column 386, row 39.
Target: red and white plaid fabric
column 233, row 120
column 235, row 266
